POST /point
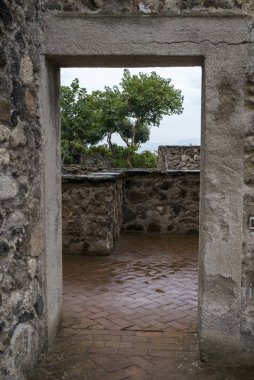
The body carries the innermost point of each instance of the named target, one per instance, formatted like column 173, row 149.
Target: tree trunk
column 109, row 141
column 65, row 153
column 128, row 161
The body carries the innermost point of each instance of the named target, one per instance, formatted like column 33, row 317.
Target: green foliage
column 79, row 120
column 129, row 110
column 145, row 159
column 139, row 103
column 149, row 97
column 118, row 158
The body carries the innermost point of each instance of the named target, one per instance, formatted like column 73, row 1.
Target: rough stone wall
column 161, row 202
column 97, row 207
column 94, row 163
column 179, row 157
column 22, row 327
column 149, row 6
column 92, row 214
column 247, row 320
column 86, row 164
column 74, row 169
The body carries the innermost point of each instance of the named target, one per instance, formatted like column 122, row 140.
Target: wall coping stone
column 144, row 172
column 184, row 14
column 92, row 178
column 180, row 146
column 115, row 174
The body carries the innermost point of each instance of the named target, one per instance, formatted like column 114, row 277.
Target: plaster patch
column 222, row 258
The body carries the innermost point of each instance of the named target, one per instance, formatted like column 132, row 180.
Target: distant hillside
column 188, row 142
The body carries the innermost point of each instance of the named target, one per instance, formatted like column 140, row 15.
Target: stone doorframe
column 221, row 45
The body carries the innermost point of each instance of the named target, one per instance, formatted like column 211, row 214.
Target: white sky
column 182, row 129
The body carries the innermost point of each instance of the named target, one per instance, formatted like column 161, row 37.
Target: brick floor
column 132, row 315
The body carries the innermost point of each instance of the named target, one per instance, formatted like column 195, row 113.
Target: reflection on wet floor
column 141, row 284
column 132, row 315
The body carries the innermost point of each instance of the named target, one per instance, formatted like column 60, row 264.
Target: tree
column 79, row 119
column 149, row 97
column 130, row 110
column 140, row 103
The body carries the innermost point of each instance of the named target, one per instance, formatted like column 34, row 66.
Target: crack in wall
column 245, row 42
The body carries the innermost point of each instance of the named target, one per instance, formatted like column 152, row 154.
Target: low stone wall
column 93, row 162
column 165, row 202
column 75, row 169
column 179, row 157
column 98, row 206
column 92, row 213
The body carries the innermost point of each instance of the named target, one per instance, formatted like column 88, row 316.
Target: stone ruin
column 98, row 206
column 178, row 157
column 36, row 39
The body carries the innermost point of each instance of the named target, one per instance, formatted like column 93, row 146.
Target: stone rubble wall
column 95, row 162
column 91, row 163
column 74, row 169
column 149, row 6
column 22, row 296
column 87, row 168
column 247, row 320
column 161, row 202
column 179, row 157
column 97, row 207
column 92, row 213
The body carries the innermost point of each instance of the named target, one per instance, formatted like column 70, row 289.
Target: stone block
column 8, row 187
column 5, row 110
column 24, row 343
column 179, row 157
column 4, row 156
column 26, row 70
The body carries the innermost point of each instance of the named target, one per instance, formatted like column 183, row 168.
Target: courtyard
column 132, row 315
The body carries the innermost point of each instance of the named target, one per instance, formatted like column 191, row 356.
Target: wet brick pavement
column 132, row 315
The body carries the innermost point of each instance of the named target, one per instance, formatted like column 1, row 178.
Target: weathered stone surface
column 32, row 267
column 30, row 100
column 23, row 344
column 21, row 335
column 4, row 156
column 4, row 110
column 39, row 305
column 179, row 157
column 18, row 137
column 8, row 187
column 4, row 248
column 150, row 6
column 26, row 70
column 161, row 202
column 97, row 207
column 4, row 133
column 83, row 164
column 92, row 214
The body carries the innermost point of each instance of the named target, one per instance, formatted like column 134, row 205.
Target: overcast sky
column 182, row 129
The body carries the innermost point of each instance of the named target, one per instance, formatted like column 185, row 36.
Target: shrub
column 118, row 156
